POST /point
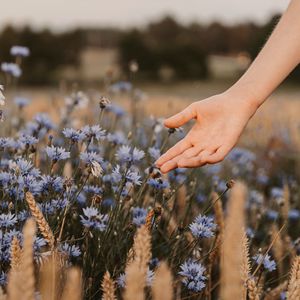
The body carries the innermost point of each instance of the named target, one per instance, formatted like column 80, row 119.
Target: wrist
column 245, row 97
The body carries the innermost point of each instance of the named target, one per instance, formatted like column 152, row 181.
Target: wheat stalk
column 293, row 292
column 136, row 271
column 73, row 286
column 15, row 254
column 162, row 284
column 40, row 220
column 108, row 287
column 27, row 280
column 231, row 261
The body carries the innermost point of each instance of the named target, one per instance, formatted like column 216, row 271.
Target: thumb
column 181, row 118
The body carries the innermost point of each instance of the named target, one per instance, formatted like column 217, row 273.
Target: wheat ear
column 294, row 283
column 108, row 287
column 15, row 254
column 162, row 284
column 27, row 280
column 231, row 260
column 40, row 220
column 73, row 286
column 136, row 271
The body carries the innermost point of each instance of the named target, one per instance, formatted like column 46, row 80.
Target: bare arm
column 221, row 119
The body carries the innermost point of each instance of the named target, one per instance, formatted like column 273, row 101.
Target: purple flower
column 19, row 51
column 203, row 227
column 266, row 261
column 93, row 219
column 57, row 153
column 193, row 275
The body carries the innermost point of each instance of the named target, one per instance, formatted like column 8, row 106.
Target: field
column 86, row 215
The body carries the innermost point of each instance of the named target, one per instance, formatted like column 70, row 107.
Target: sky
column 65, row 14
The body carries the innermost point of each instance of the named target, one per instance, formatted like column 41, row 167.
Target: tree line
column 165, row 43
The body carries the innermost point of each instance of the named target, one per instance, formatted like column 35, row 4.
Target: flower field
column 85, row 214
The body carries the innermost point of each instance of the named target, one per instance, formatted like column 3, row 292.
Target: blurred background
column 170, row 40
column 183, row 50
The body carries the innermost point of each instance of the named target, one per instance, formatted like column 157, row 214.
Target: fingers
column 219, row 155
column 176, row 150
column 182, row 117
column 195, row 161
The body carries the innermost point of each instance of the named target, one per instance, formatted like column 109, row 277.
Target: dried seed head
column 230, row 184
column 103, row 102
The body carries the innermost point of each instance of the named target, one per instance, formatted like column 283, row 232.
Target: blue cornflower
column 11, row 69
column 71, row 251
column 57, row 153
column 154, row 153
column 94, row 219
column 94, row 131
column 203, row 227
column 24, row 167
column 92, row 189
column 90, row 157
column 28, row 140
column 21, row 102
column 121, row 280
column 121, row 86
column 192, row 272
column 19, row 51
column 73, row 134
column 117, row 110
column 133, row 177
column 117, row 138
column 43, row 120
column 272, row 215
column 139, row 216
column 3, row 279
column 30, row 183
column 127, row 154
column 266, row 261
column 277, row 193
column 158, row 183
column 7, row 220
column 50, row 183
column 294, row 214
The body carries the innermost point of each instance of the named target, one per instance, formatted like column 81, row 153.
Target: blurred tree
column 49, row 52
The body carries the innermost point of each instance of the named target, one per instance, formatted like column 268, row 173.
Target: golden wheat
column 162, row 285
column 15, row 254
column 73, row 286
column 40, row 220
column 293, row 292
column 231, row 261
column 108, row 287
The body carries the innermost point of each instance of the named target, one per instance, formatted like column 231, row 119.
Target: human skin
column 221, row 119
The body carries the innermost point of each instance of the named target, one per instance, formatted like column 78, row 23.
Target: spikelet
column 108, row 287
column 2, row 295
column 278, row 247
column 149, row 219
column 181, row 202
column 246, row 266
column 15, row 254
column 253, row 290
column 27, row 280
column 40, row 220
column 219, row 215
column 49, row 277
column 294, row 283
column 275, row 293
column 136, row 271
column 286, row 202
column 162, row 284
column 231, row 260
column 73, row 286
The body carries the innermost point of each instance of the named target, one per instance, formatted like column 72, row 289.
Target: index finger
column 180, row 147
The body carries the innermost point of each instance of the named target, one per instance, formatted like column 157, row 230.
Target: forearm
column 279, row 56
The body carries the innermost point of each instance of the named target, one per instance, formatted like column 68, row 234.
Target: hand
column 220, row 121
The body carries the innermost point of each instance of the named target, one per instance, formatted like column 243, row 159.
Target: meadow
column 85, row 214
